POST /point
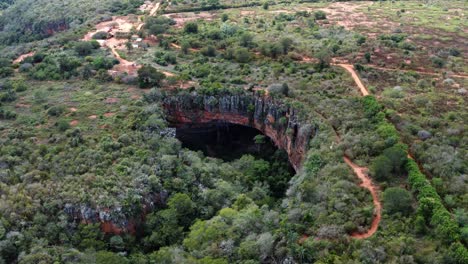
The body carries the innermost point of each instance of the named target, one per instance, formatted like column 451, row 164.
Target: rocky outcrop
column 273, row 118
column 115, row 220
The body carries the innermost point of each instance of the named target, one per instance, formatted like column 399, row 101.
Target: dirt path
column 367, row 183
column 417, row 71
column 361, row 171
column 155, row 9
column 123, row 24
column 357, row 80
column 24, row 56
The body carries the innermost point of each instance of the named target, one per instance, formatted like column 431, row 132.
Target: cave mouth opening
column 230, row 142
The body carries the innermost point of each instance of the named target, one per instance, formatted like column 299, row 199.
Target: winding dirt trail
column 367, row 183
column 361, row 172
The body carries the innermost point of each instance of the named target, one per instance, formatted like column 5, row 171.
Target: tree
column 397, row 200
column 184, row 208
column 191, row 27
column 320, row 15
column 149, row 76
column 397, row 157
column 185, row 46
column 279, row 89
column 106, row 257
column 265, row 5
column 286, row 43
column 242, row 55
column 208, row 51
column 100, row 35
column 381, row 168
column 367, row 56
column 163, row 228
column 246, row 40
column 84, row 48
column 129, row 45
column 224, row 17
column 117, row 242
column 324, row 57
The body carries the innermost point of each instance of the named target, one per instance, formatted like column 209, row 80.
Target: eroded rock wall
column 273, row 118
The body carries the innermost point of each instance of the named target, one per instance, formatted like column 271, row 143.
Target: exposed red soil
column 359, row 171
column 73, row 109
column 74, row 123
column 179, row 47
column 109, row 114
column 21, row 105
column 357, row 80
column 122, row 24
column 367, row 183
column 92, row 117
column 345, row 14
column 24, row 56
column 182, row 18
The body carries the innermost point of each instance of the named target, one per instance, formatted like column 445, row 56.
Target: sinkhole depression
column 241, row 144
column 214, row 123
column 226, row 141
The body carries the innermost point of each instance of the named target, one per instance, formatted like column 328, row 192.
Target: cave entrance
column 231, row 142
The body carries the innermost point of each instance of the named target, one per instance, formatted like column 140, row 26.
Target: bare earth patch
column 182, row 18
column 123, row 24
column 92, row 117
column 74, row 123
column 24, row 56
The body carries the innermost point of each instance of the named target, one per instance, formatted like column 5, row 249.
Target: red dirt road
column 367, row 183
column 357, row 80
column 24, row 56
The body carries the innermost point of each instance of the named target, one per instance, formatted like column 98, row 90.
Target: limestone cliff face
column 115, row 220
column 272, row 117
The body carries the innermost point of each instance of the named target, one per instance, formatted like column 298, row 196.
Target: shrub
column 397, row 200
column 437, row 61
column 320, row 15
column 6, row 71
column 224, row 17
column 7, row 114
column 149, row 76
column 84, row 48
column 104, row 63
column 242, row 55
column 278, row 89
column 100, row 35
column 381, row 168
column 158, row 25
column 25, row 67
column 208, row 51
column 62, row 125
column 191, row 27
column 56, row 110
column 397, row 157
column 165, row 58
